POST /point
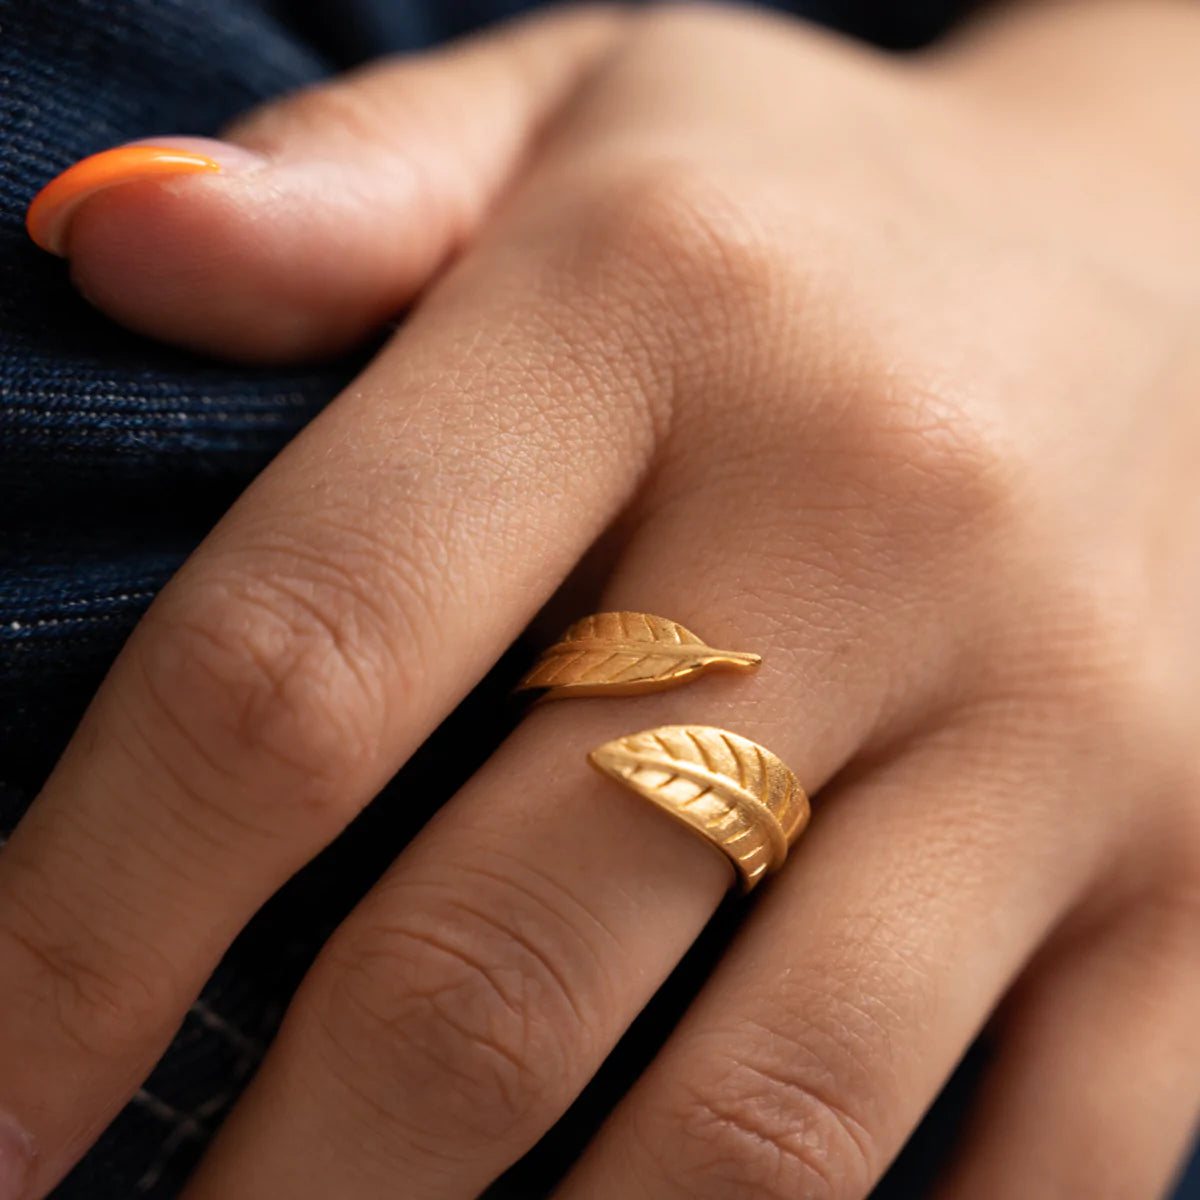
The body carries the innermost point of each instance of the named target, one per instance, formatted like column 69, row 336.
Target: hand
column 883, row 368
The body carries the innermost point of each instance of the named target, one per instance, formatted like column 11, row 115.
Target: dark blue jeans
column 116, row 456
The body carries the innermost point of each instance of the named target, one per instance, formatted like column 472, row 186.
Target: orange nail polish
column 50, row 212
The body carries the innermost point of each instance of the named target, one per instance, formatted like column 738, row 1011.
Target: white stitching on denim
column 187, row 1126
column 218, row 1024
column 184, row 1126
column 159, row 1108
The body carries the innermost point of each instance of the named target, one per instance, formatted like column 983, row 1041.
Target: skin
column 885, row 369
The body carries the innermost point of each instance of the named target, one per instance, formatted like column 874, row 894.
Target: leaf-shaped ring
column 624, row 654
column 733, row 792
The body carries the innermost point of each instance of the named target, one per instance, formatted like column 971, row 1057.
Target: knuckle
column 908, row 490
column 1105, row 679
column 754, row 1131
column 932, row 461
column 101, row 1004
column 1094, row 658
column 476, row 1020
column 701, row 257
column 286, row 666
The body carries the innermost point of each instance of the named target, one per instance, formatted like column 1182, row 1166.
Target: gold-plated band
column 732, row 791
column 625, row 654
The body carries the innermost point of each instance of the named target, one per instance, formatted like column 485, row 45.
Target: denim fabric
column 117, row 455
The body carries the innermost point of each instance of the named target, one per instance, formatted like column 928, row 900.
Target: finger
column 1096, row 1089
column 325, row 211
column 853, row 990
column 473, row 994
column 342, row 608
column 469, row 999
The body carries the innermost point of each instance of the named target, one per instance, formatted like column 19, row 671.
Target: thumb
column 324, row 212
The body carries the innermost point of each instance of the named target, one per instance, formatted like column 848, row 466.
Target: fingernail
column 16, row 1159
column 49, row 215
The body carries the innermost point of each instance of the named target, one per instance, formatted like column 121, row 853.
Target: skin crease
column 888, row 370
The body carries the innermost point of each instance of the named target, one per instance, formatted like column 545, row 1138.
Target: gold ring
column 626, row 654
column 735, row 793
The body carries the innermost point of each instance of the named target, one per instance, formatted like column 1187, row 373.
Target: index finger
column 336, row 614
